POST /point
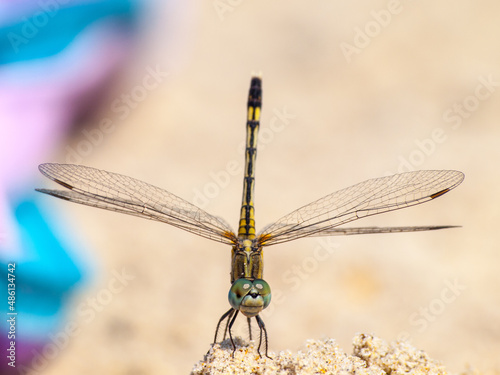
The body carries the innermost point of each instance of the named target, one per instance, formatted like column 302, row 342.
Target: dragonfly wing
column 371, row 230
column 367, row 198
column 115, row 192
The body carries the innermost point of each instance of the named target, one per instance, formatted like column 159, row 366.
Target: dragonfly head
column 249, row 296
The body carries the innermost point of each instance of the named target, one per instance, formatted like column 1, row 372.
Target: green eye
column 238, row 291
column 264, row 290
column 249, row 297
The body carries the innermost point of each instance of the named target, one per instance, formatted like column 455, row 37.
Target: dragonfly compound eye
column 250, row 297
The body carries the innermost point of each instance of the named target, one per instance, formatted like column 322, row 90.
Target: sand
column 370, row 355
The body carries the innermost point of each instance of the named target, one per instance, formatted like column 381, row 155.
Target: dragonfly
column 249, row 293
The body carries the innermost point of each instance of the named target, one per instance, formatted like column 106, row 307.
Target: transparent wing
column 115, row 192
column 371, row 230
column 367, row 198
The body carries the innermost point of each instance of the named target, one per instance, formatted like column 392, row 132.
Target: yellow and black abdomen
column 246, row 229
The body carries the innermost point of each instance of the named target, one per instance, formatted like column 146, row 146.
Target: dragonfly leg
column 262, row 327
column 249, row 328
column 227, row 315
column 227, row 323
column 230, row 335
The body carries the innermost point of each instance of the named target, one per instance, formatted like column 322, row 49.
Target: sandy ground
column 351, row 92
column 370, row 356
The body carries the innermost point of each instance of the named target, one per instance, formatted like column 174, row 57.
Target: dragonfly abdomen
column 246, row 228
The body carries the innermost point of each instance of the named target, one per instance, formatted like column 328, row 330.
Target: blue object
column 45, row 274
column 48, row 29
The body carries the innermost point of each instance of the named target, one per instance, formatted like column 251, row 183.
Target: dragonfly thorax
column 249, row 296
column 246, row 261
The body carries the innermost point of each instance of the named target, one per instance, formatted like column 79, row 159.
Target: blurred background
column 157, row 91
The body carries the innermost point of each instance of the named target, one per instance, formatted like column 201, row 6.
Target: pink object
column 40, row 100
